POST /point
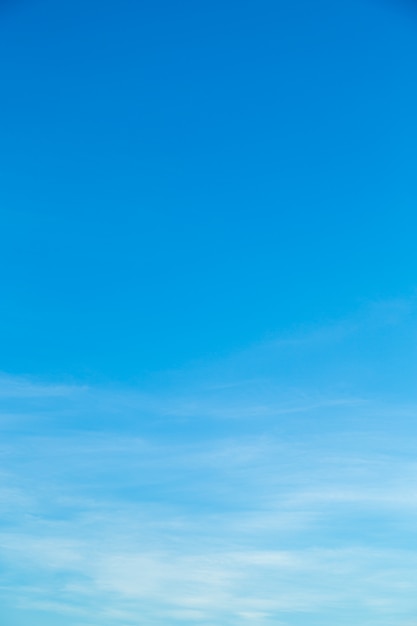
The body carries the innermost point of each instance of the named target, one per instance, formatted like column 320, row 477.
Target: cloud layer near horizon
column 276, row 486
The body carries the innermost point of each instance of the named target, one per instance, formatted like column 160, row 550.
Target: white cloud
column 120, row 507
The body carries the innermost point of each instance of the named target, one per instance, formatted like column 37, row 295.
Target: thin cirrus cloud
column 238, row 492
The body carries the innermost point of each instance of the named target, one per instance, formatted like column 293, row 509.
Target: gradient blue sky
column 208, row 313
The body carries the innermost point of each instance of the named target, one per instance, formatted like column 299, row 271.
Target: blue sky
column 208, row 313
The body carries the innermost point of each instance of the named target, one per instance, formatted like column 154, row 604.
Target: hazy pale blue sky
column 208, row 313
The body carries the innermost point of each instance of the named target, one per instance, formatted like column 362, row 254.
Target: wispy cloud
column 121, row 506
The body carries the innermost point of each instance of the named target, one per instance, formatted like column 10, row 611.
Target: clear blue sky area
column 208, row 313
column 181, row 179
